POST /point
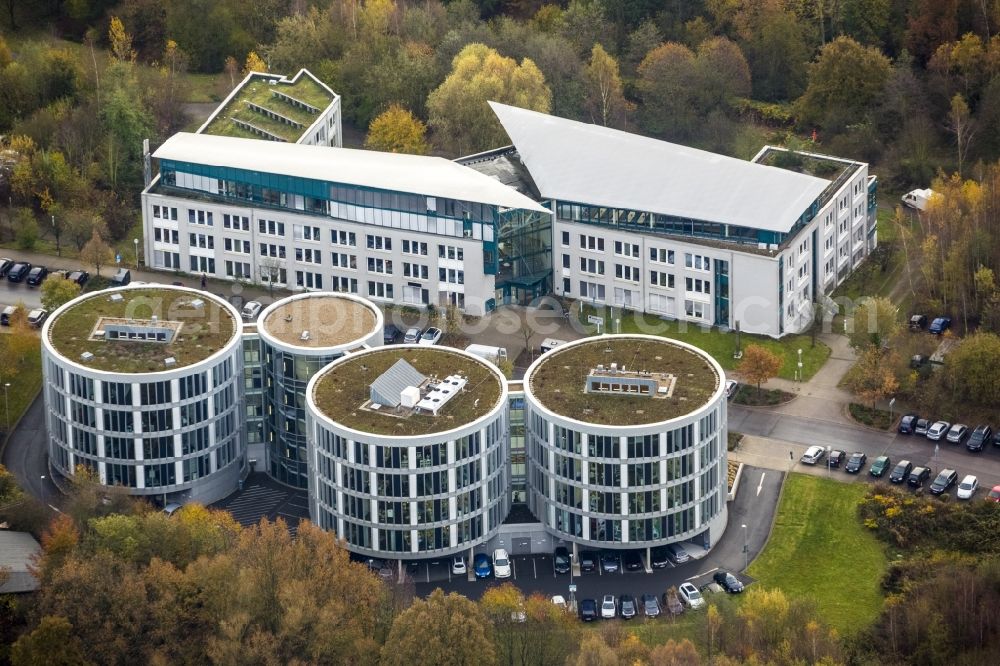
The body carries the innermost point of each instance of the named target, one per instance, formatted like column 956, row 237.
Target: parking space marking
column 704, row 573
column 534, row 565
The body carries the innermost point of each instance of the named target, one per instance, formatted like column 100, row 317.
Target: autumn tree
column 970, row 374
column 397, row 130
column 758, row 365
column 57, row 290
column 872, row 378
column 254, row 63
column 773, row 38
column 459, row 114
column 667, row 81
column 604, row 98
column 874, row 322
column 52, row 643
column 440, row 630
column 960, row 125
column 96, row 252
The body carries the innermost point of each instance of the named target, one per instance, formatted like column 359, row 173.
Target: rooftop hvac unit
column 154, row 319
column 304, row 336
column 409, row 397
column 86, row 356
column 117, row 298
column 169, row 361
column 197, row 303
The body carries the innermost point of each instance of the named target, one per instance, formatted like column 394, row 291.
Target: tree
column 459, row 115
column 874, row 322
column 872, row 377
column 397, row 130
column 97, row 252
column 594, row 652
column 667, row 83
column 58, row 290
column 960, row 124
column 52, row 643
column 27, row 230
column 270, row 271
column 440, row 630
column 758, row 365
column 604, row 98
column 254, row 63
column 121, row 41
column 774, row 40
column 970, row 373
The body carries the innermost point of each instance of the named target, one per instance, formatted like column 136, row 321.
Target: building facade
column 626, row 442
column 143, row 387
column 298, row 336
column 423, row 477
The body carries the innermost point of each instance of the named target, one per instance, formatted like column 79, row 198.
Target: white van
column 548, row 344
column 493, row 354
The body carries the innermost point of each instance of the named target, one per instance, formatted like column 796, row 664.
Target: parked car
column 918, row 476
column 501, row 564
column 650, row 605
column 431, row 336
column 731, row 386
column 633, row 560
column 458, row 566
column 588, row 610
column 37, row 317
column 18, row 271
column 938, row 430
column 609, row 562
column 380, row 567
column 813, row 455
column 945, row 480
column 957, row 433
column 481, row 565
column 918, row 322
column 835, row 458
column 855, row 463
column 901, row 472
column 879, row 467
column 5, row 265
column 170, row 508
column 922, row 426
column 677, row 553
column 940, row 325
column 994, row 495
column 979, row 437
column 626, row 606
column 412, row 336
column 122, row 278
column 672, row 602
column 728, row 581
column 251, row 310
column 80, row 277
column 907, row 424
column 561, row 560
column 608, row 607
column 588, row 560
column 7, row 315
column 390, row 334
column 560, row 601
column 968, row 487
column 690, row 595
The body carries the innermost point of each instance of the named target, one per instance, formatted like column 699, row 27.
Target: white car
column 501, row 564
column 690, row 595
column 813, row 455
column 37, row 317
column 731, row 386
column 251, row 310
column 412, row 336
column 431, row 336
column 937, row 431
column 968, row 487
column 560, row 601
column 609, row 609
column 458, row 566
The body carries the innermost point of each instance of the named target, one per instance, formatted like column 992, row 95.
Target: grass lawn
column 821, row 551
column 722, row 344
column 24, row 384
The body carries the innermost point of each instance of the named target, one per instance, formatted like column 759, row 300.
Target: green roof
column 559, row 381
column 294, row 103
column 340, row 391
column 203, row 329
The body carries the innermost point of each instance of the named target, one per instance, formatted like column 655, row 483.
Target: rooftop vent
column 117, row 298
column 86, row 356
column 198, row 303
column 169, row 361
column 304, row 336
column 154, row 319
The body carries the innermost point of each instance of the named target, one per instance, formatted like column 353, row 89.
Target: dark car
column 940, row 325
column 901, row 471
column 855, row 463
column 626, row 606
column 918, row 475
column 609, row 562
column 979, row 437
column 80, row 277
column 588, row 560
column 728, row 582
column 8, row 314
column 37, row 275
column 659, row 558
column 907, row 424
column 560, row 560
column 880, row 467
column 588, row 610
column 5, row 265
column 18, row 271
column 918, row 322
column 650, row 605
column 390, row 334
column 633, row 561
column 921, row 427
column 945, row 480
column 835, row 458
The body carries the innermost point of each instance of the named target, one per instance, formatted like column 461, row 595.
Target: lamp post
column 6, row 408
column 135, row 242
column 43, row 488
column 828, row 460
column 800, row 365
column 746, row 548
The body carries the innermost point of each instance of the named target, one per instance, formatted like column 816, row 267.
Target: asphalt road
column 26, row 456
column 12, row 293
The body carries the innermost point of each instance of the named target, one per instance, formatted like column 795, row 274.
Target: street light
column 135, row 241
column 6, row 408
column 43, row 489
column 746, row 548
column 800, row 365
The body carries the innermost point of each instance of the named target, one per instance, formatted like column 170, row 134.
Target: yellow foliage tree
column 397, row 130
column 254, row 63
column 121, row 41
column 603, row 95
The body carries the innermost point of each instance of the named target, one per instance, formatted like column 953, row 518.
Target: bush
column 874, row 418
column 27, row 231
column 748, row 395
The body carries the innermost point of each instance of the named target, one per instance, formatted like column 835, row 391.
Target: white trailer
column 493, row 354
column 918, row 198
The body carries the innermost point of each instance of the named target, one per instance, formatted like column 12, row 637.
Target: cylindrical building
column 409, row 449
column 627, row 442
column 298, row 336
column 142, row 386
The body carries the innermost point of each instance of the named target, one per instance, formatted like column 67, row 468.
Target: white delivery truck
column 494, row 354
column 548, row 344
column 918, row 198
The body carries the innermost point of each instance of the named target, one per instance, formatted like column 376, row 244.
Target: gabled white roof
column 589, row 164
column 414, row 174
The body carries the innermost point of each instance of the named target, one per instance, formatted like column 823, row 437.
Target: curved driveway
column 26, row 455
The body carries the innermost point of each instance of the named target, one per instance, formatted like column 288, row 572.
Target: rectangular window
column 379, row 243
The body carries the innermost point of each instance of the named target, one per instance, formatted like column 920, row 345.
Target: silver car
column 813, row 455
column 938, row 430
column 412, row 336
